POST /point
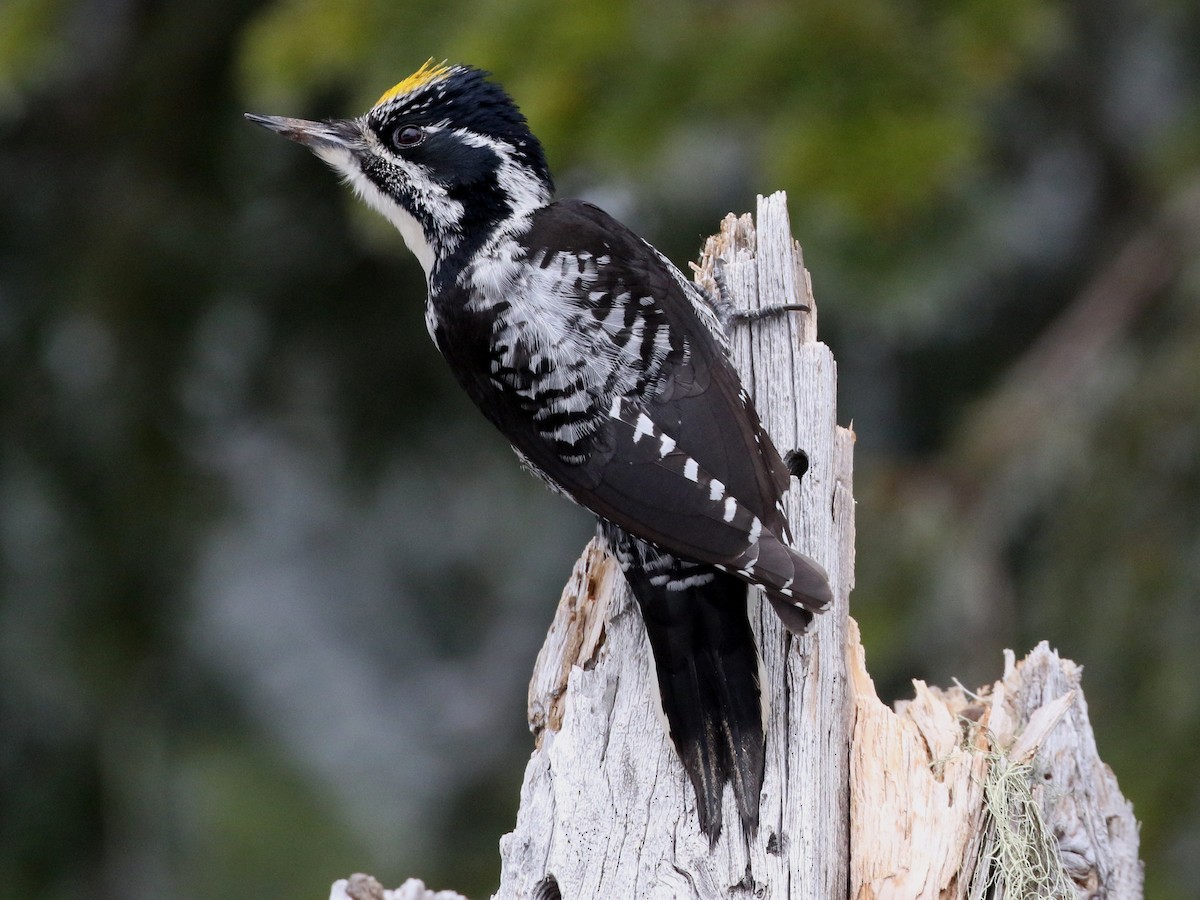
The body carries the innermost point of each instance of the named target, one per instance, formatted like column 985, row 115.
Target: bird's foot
column 729, row 315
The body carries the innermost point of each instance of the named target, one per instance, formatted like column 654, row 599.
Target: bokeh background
column 270, row 591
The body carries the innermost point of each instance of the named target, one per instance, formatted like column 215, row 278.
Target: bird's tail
column 708, row 678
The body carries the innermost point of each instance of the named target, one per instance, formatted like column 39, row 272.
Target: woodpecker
column 608, row 372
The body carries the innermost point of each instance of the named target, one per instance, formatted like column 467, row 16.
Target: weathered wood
column 364, row 887
column 994, row 794
column 997, row 793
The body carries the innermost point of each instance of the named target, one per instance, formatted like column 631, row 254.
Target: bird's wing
column 613, row 386
column 652, row 342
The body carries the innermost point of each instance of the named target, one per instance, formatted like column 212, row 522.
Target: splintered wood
column 997, row 793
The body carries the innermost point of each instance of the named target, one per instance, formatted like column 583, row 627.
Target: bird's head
column 445, row 155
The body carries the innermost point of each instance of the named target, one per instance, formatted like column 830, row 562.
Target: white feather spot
column 682, row 584
column 730, row 509
column 644, row 427
column 716, row 490
column 691, row 470
column 755, row 531
column 665, row 445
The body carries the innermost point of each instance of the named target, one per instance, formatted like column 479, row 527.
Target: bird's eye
column 407, row 136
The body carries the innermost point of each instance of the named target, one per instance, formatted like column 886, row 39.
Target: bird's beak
column 332, row 135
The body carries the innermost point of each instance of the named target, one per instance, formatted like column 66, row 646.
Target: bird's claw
column 730, row 315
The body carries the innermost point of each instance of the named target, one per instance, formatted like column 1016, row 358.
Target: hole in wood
column 797, row 462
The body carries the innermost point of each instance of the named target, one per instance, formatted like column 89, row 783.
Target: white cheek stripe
column 524, row 189
column 410, row 229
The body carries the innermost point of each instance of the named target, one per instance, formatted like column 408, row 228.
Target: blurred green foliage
column 257, row 628
column 878, row 109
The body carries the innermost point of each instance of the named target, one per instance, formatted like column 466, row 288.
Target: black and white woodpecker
column 607, row 371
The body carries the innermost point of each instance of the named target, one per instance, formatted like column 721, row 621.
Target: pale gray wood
column 1095, row 830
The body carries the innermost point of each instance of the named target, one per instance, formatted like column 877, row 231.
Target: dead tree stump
column 994, row 794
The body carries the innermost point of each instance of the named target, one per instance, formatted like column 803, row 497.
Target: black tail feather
column 708, row 678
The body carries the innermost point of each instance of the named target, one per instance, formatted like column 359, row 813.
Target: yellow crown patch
column 429, row 72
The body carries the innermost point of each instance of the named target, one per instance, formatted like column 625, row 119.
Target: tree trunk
column 955, row 795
